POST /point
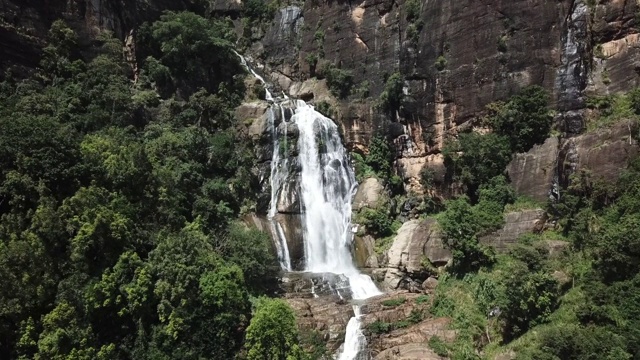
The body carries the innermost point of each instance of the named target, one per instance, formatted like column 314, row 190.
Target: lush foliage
column 474, row 158
column 340, row 81
column 525, row 119
column 272, row 334
column 118, row 200
column 580, row 303
column 462, row 224
column 392, row 95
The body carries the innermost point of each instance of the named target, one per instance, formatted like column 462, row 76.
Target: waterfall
column 354, row 340
column 327, row 186
column 276, row 180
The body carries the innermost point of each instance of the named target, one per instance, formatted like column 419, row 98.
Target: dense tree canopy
column 118, row 201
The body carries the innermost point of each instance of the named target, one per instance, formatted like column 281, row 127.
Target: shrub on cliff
column 391, row 97
column 340, row 81
column 473, row 159
column 525, row 119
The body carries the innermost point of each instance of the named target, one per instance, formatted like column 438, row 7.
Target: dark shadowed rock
column 292, row 228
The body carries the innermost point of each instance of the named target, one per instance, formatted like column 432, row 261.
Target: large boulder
column 416, row 241
column 324, row 316
column 368, row 194
column 364, row 252
column 603, row 153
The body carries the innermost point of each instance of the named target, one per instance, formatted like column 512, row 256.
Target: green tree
column 474, row 159
column 198, row 53
column 272, row 334
column 530, row 299
column 460, row 228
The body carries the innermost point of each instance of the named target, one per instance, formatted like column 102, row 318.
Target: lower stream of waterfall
column 327, row 186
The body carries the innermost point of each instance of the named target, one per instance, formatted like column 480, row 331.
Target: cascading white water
column 354, row 340
column 327, row 187
column 276, row 179
column 276, row 175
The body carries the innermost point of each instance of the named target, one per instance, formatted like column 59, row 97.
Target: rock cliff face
column 455, row 57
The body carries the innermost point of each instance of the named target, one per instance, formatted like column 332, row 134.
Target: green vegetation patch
column 394, row 302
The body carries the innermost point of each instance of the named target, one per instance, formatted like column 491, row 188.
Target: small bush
column 634, row 98
column 311, row 59
column 401, row 324
column 319, row 37
column 379, row 327
column 427, row 176
column 441, row 63
column 377, row 221
column 502, row 44
column 422, row 299
column 324, row 108
column 363, row 90
column 394, row 302
column 438, row 346
column 415, row 316
column 340, row 81
column 412, row 8
column 361, row 168
column 392, row 95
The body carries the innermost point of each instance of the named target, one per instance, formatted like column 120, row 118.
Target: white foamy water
column 355, row 341
column 327, row 187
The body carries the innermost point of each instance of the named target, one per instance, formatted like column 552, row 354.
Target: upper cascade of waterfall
column 327, row 187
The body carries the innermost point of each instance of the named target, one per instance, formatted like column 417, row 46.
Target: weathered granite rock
column 603, row 153
column 254, row 115
column 616, row 46
column 430, row 284
column 556, row 247
column 515, row 224
column 532, row 173
column 328, row 318
column 415, row 241
column 411, row 351
column 407, row 338
column 368, row 194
